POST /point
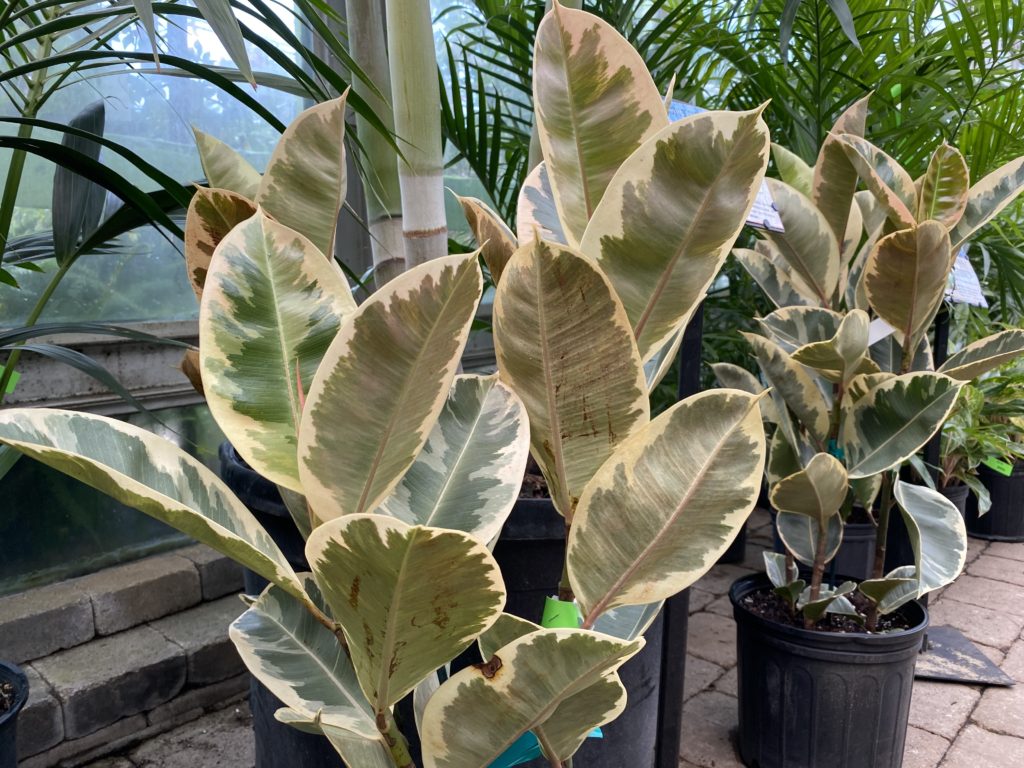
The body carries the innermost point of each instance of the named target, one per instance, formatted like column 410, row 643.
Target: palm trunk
column 380, row 178
column 417, row 109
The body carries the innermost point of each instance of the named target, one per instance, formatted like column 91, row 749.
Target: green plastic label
column 559, row 614
column 1000, row 466
column 12, row 382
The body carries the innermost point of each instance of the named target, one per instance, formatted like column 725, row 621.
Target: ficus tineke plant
column 400, row 472
column 850, row 408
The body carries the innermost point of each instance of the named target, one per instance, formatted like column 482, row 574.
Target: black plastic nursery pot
column 1005, row 520
column 958, row 494
column 856, row 555
column 530, row 552
column 812, row 699
column 12, row 677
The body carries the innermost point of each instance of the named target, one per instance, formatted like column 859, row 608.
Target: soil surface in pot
column 771, row 607
column 7, row 695
column 534, row 484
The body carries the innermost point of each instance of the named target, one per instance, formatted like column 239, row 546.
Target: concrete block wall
column 120, row 655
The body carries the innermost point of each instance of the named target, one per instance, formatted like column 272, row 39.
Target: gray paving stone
column 39, row 621
column 184, row 707
column 708, row 722
column 997, row 595
column 982, row 625
column 203, row 634
column 223, row 740
column 699, row 599
column 699, row 675
column 998, row 569
column 1001, row 710
column 942, row 708
column 40, row 723
column 112, row 762
column 923, row 749
column 218, row 575
column 712, row 638
column 132, row 594
column 1013, row 664
column 975, row 548
column 1012, row 550
column 112, row 678
column 95, row 745
column 727, row 683
column 977, row 748
column 722, row 606
column 718, row 580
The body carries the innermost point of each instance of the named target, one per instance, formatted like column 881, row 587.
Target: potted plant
column 1001, row 472
column 13, row 695
column 822, row 657
column 401, row 473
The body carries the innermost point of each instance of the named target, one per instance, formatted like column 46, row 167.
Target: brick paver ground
column 951, row 726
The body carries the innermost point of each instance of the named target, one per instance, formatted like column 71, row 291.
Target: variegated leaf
column 816, row 491
column 357, row 751
column 558, row 683
column 564, row 344
column 536, row 213
column 382, row 384
column 794, row 327
column 150, row 474
column 984, row 355
column 305, row 182
column 468, row 475
column 938, row 537
column 670, row 215
column 225, row 168
column 843, row 356
column 493, row 237
column 944, row 187
column 783, row 461
column 886, row 179
column 888, row 354
column 808, row 245
column 892, row 421
column 794, row 383
column 668, row 503
column 776, row 282
column 835, row 178
column 732, row 376
column 302, row 662
column 661, row 363
column 271, row 306
column 987, row 198
column 793, row 170
column 776, row 569
column 799, row 535
column 212, row 213
column 595, row 103
column 900, row 584
column 905, row 277
column 628, row 622
column 505, row 630
column 409, row 598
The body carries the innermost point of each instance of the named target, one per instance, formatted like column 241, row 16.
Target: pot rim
column 16, row 675
column 744, row 585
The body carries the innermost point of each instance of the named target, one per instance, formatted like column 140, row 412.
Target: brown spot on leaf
column 353, row 593
column 490, row 668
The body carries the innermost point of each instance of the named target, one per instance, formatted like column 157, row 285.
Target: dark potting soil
column 7, row 694
column 534, row 484
column 771, row 607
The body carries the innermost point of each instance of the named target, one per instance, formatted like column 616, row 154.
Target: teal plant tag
column 1002, row 467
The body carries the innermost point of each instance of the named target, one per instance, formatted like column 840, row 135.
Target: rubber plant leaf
column 799, row 535
column 835, row 178
column 212, row 214
column 792, row 169
column 152, row 475
column 272, row 305
column 665, row 357
column 301, row 662
column 558, row 683
column 794, row 383
column 886, row 179
column 382, row 384
column 987, row 198
column 905, row 278
column 225, row 168
column 944, row 187
column 409, row 598
column 468, row 475
column 894, row 420
column 817, row 491
column 595, row 103
column 353, row 748
column 305, row 182
column 505, row 630
column 938, row 537
column 777, row 571
column 494, row 238
column 843, row 356
column 670, row 215
column 668, row 503
column 564, row 343
column 732, row 376
column 775, row 279
column 895, row 588
column 984, row 355
column 794, row 327
column 628, row 622
column 808, row 245
column 536, row 212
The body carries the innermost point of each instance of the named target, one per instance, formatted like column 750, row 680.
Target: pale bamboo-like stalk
column 417, row 109
column 365, row 20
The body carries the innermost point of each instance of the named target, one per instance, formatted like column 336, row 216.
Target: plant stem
column 564, row 586
column 549, row 751
column 395, row 740
column 881, row 534
column 417, row 108
column 818, row 572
